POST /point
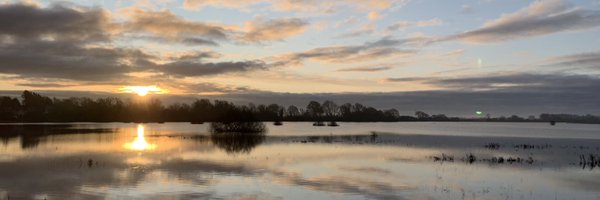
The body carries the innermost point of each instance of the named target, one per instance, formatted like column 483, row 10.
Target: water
column 299, row 161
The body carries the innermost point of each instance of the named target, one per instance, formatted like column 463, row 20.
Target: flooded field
column 420, row 160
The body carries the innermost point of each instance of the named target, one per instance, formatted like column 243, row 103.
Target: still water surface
column 421, row 160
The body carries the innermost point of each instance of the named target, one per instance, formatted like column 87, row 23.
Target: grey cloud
column 399, row 25
column 67, row 42
column 195, row 64
column 49, row 43
column 200, row 55
column 188, row 68
column 365, row 69
column 57, row 21
column 66, row 60
column 539, row 18
column 358, row 32
column 423, row 23
column 206, row 87
column 199, row 41
column 407, row 79
column 210, row 87
column 510, row 82
column 467, row 9
column 384, row 47
column 521, row 81
column 44, row 85
column 188, row 41
column 63, row 60
column 589, row 59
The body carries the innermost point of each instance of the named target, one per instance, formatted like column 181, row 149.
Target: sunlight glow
column 140, row 144
column 142, row 90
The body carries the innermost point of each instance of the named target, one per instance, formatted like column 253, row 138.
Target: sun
column 142, row 90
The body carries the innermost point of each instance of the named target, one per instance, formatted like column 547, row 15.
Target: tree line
column 33, row 107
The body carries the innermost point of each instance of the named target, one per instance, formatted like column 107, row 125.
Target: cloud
column 373, row 16
column 198, row 41
column 213, row 88
column 166, row 25
column 520, row 81
column 406, row 24
column 408, row 79
column 274, row 29
column 365, row 69
column 66, row 60
column 61, row 42
column 539, row 18
column 368, row 51
column 587, row 60
column 194, row 56
column 431, row 22
column 458, row 52
column 509, row 81
column 44, row 85
column 56, row 22
column 312, row 6
column 188, row 41
column 366, row 29
column 399, row 25
column 346, row 22
column 197, row 4
column 466, row 9
column 72, row 43
column 192, row 68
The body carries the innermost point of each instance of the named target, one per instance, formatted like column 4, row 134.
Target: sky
column 456, row 57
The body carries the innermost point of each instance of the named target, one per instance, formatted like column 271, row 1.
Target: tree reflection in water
column 32, row 134
column 237, row 137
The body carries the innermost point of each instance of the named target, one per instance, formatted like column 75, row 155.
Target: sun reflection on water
column 140, row 144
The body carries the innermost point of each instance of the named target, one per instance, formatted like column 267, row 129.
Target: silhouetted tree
column 314, row 110
column 202, row 111
column 439, row 117
column 9, row 109
column 34, row 107
column 421, row 115
column 391, row 114
column 292, row 111
column 330, row 109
